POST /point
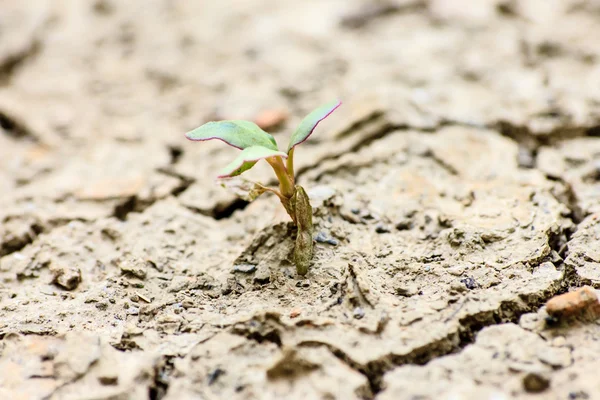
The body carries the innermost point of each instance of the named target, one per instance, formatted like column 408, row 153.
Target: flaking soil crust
column 454, row 192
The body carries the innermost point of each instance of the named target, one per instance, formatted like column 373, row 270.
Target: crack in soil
column 160, row 384
column 569, row 199
column 374, row 371
column 469, row 326
column 17, row 243
column 378, row 127
column 11, row 63
column 11, row 243
column 454, row 342
column 531, row 142
column 358, row 291
column 78, row 376
column 263, row 328
column 16, row 128
column 346, row 359
column 176, row 152
column 372, row 12
column 135, row 204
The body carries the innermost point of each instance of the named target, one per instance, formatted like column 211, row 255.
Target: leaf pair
column 255, row 143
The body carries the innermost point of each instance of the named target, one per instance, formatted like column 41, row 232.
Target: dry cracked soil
column 454, row 192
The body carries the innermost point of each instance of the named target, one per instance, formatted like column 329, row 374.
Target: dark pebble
column 535, row 383
column 578, row 395
column 382, row 229
column 303, row 283
column 322, row 238
column 214, row 375
column 469, row 283
column 108, row 380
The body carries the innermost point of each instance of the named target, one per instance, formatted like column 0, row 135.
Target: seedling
column 257, row 145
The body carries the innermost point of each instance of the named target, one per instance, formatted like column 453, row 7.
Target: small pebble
column 579, row 395
column 579, row 303
column 67, row 277
column 133, row 311
column 323, row 238
column 108, row 380
column 245, row 268
column 535, row 383
column 404, row 225
column 358, row 313
column 214, row 375
column 295, row 313
column 134, row 267
column 469, row 283
column 380, row 228
column 303, row 283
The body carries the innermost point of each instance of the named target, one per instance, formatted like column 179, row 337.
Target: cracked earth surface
column 454, row 193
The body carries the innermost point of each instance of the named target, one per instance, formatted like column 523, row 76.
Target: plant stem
column 286, row 183
column 290, row 165
column 270, row 190
column 303, row 251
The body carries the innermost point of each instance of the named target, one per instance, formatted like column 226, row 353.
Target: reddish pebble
column 579, row 303
column 295, row 312
column 270, row 119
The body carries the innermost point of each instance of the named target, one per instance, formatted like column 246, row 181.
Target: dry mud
column 454, row 193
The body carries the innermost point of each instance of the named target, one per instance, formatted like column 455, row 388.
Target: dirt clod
column 535, row 383
column 66, row 276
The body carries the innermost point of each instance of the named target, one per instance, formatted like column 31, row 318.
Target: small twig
column 142, row 297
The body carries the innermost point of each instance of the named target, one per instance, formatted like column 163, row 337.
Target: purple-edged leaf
column 310, row 122
column 236, row 133
column 246, row 160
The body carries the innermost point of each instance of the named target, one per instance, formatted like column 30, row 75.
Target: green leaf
column 310, row 122
column 247, row 158
column 236, row 133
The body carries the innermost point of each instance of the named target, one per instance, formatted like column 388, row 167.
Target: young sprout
column 255, row 145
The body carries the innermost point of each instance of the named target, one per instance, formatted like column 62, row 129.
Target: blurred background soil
column 454, row 192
